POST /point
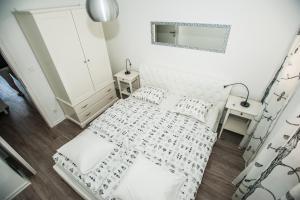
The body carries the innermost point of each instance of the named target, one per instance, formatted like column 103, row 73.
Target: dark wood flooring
column 25, row 130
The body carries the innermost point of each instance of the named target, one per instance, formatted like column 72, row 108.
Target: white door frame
column 9, row 150
column 11, row 62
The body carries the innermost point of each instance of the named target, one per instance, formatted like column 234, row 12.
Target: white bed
column 146, row 128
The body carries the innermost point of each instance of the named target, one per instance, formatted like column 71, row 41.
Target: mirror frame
column 223, row 50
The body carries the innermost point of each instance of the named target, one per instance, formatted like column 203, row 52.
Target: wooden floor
column 26, row 131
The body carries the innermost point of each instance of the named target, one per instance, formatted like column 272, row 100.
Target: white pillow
column 86, row 150
column 145, row 180
column 150, row 94
column 193, row 107
column 169, row 102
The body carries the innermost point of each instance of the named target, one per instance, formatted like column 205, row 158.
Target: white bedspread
column 177, row 142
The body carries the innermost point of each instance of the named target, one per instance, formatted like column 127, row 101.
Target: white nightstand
column 238, row 118
column 127, row 83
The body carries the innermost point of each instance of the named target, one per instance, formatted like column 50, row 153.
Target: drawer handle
column 88, row 114
column 241, row 114
column 111, row 97
column 84, row 106
column 108, row 90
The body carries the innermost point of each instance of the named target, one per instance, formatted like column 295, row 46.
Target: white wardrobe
column 71, row 50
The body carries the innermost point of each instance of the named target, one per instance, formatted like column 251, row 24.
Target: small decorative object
column 245, row 103
column 127, row 62
column 102, row 10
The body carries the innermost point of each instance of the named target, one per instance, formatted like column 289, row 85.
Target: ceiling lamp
column 102, row 10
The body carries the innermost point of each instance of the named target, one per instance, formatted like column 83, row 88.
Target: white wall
column 22, row 58
column 260, row 37
column 261, row 34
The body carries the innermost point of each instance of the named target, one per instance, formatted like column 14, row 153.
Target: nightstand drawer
column 124, row 80
column 241, row 114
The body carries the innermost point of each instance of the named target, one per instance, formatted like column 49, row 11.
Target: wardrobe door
column 94, row 46
column 61, row 39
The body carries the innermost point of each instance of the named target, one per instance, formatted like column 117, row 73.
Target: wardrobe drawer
column 86, row 104
column 96, row 107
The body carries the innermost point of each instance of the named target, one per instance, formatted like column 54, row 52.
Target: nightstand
column 238, row 118
column 127, row 83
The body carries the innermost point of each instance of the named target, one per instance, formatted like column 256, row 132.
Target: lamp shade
column 102, row 10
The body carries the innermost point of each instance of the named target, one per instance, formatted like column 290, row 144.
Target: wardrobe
column 71, row 50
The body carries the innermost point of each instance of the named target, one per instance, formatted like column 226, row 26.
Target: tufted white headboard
column 193, row 84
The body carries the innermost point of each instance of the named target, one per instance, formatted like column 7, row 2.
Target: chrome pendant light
column 102, row 10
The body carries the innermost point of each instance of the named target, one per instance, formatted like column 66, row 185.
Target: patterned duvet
column 176, row 142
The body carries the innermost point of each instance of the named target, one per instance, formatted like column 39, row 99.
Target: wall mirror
column 208, row 37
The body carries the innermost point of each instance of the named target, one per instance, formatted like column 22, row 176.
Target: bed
column 177, row 143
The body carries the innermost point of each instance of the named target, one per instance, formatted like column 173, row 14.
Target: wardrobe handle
column 88, row 60
column 84, row 61
column 84, row 106
column 88, row 114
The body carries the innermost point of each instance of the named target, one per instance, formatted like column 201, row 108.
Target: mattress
column 179, row 143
